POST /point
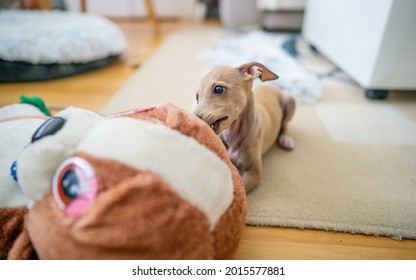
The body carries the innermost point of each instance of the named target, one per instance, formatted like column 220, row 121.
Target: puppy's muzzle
column 213, row 124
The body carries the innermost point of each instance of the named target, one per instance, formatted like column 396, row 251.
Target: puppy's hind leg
column 289, row 106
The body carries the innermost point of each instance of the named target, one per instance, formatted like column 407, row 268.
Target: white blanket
column 235, row 49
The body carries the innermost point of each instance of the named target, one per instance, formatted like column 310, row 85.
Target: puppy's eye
column 50, row 127
column 197, row 98
column 219, row 90
column 74, row 186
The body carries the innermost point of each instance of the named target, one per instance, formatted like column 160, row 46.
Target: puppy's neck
column 243, row 131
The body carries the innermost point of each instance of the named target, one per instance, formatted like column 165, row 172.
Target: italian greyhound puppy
column 249, row 121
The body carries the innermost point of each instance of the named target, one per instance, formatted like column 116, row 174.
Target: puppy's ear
column 257, row 70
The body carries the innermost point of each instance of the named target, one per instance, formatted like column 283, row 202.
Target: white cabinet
column 374, row 41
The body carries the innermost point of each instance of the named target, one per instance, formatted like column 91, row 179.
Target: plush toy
column 144, row 184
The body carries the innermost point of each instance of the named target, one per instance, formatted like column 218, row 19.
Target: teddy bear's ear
column 11, row 227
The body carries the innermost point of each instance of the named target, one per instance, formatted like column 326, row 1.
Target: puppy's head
column 224, row 92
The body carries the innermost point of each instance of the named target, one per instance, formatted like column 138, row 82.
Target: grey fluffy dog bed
column 42, row 45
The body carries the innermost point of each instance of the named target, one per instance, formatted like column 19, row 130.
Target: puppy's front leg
column 251, row 174
column 251, row 179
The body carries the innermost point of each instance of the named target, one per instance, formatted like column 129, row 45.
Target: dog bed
column 42, row 45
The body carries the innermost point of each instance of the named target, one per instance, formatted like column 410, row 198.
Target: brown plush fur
column 11, row 221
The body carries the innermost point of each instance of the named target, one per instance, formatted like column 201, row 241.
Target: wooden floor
column 93, row 89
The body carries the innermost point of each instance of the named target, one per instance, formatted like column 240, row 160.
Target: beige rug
column 354, row 165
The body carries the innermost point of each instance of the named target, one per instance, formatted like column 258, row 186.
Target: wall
column 136, row 8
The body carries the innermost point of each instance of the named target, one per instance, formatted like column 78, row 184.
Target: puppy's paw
column 286, row 142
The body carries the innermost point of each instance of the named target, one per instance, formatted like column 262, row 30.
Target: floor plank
column 295, row 244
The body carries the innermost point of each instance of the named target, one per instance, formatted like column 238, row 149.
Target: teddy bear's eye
column 74, row 186
column 49, row 127
column 70, row 184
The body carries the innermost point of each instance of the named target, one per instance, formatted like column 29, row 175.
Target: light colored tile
column 367, row 123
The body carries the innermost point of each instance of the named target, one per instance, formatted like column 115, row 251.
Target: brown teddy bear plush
column 144, row 184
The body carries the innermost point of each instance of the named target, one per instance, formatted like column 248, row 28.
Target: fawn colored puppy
column 249, row 121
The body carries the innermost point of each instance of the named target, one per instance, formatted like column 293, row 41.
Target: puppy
column 249, row 121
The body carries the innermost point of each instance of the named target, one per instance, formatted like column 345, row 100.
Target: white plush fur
column 14, row 136
column 19, row 110
column 195, row 173
column 57, row 37
column 38, row 162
